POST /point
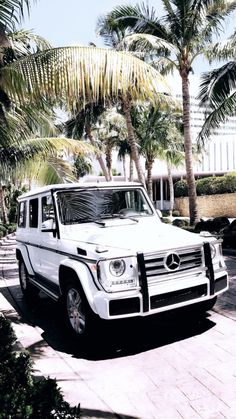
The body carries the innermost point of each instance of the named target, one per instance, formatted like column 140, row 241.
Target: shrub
column 180, row 222
column 11, row 228
column 181, row 188
column 175, row 213
column 21, row 395
column 166, row 220
column 3, row 230
column 165, row 213
column 214, row 225
column 209, row 185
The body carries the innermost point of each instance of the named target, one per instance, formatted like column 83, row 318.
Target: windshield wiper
column 117, row 215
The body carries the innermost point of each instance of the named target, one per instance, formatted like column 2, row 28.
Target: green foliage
column 21, row 394
column 180, row 222
column 209, row 185
column 3, row 230
column 166, row 220
column 175, row 213
column 165, row 213
column 82, row 166
column 11, row 197
column 181, row 188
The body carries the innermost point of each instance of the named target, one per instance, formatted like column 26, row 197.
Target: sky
column 70, row 22
column 73, row 22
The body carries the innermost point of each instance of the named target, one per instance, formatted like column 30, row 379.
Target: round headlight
column 117, row 267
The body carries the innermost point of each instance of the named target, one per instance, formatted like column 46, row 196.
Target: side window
column 33, row 213
column 22, row 214
column 47, row 208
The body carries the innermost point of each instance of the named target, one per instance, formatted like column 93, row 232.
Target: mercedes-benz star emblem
column 172, row 262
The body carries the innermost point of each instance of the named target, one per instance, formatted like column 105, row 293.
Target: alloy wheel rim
column 75, row 311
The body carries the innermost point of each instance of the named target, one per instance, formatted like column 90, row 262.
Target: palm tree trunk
column 131, row 168
column 124, row 168
column 149, row 165
column 193, row 210
column 4, row 217
column 171, row 188
column 131, row 139
column 99, row 157
column 109, row 159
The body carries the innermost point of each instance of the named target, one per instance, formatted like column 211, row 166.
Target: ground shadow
column 112, row 339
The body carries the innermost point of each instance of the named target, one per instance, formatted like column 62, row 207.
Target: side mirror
column 48, row 226
column 159, row 213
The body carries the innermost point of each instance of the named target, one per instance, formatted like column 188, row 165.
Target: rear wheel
column 28, row 289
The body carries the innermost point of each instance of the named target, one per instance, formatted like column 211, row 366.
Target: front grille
column 190, row 261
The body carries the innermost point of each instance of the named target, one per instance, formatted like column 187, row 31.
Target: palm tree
column 181, row 36
column 150, row 124
column 80, row 75
column 84, row 122
column 38, row 158
column 123, row 151
column 172, row 152
column 111, row 132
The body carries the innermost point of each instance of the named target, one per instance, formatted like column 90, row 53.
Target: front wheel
column 79, row 316
column 28, row 289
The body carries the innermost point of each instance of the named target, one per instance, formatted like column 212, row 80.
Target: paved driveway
column 169, row 366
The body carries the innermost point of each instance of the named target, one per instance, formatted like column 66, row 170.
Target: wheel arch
column 22, row 255
column 72, row 270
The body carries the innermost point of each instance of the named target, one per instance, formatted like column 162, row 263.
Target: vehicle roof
column 86, row 185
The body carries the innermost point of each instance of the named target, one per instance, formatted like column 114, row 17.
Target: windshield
column 80, row 206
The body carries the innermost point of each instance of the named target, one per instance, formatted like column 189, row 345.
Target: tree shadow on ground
column 113, row 339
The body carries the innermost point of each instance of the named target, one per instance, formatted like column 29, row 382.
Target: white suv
column 102, row 249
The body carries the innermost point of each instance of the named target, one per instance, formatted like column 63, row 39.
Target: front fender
column 84, row 275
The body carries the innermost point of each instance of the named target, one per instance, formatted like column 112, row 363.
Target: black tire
column 78, row 315
column 28, row 290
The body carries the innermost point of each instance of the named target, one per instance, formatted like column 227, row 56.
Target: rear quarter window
column 33, row 213
column 21, row 221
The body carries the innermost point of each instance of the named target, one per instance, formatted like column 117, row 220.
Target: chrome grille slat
column 191, row 262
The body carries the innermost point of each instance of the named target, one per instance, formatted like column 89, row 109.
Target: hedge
column 23, row 396
column 209, row 185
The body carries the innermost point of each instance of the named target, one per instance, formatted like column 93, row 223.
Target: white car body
column 127, row 265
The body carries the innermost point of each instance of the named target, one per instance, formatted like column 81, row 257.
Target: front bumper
column 162, row 297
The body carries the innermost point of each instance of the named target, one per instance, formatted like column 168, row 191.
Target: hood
column 146, row 235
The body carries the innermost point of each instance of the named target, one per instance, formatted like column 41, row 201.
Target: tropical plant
column 82, row 75
column 84, row 123
column 111, row 132
column 39, row 159
column 124, row 150
column 176, row 39
column 21, row 394
column 217, row 89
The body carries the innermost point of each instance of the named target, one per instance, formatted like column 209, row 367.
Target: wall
column 210, row 206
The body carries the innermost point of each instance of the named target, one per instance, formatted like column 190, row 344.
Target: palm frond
column 217, row 85
column 12, row 11
column 218, row 116
column 87, row 74
column 25, row 42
